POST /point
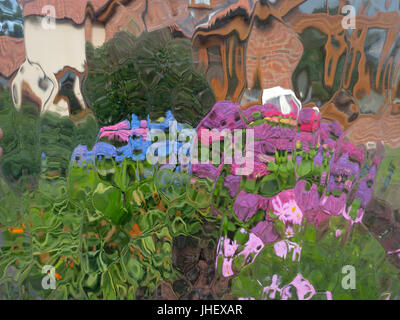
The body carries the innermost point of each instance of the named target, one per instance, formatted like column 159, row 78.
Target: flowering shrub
column 306, row 177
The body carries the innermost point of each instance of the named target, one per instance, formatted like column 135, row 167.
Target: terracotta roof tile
column 12, row 55
column 65, row 9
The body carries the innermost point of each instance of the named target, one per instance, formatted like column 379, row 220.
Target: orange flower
column 17, row 230
column 58, row 276
column 135, row 230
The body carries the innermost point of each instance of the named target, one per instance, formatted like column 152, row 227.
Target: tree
column 18, row 31
column 146, row 75
column 26, row 135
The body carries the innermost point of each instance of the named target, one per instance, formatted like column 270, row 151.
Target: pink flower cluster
column 122, row 131
column 282, row 248
column 285, row 207
column 276, row 113
column 353, row 151
column 228, row 249
column 303, row 287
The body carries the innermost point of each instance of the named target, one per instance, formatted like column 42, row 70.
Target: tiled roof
column 65, row 9
column 12, row 55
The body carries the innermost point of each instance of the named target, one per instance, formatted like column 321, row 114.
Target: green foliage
column 26, row 135
column 59, row 136
column 20, row 142
column 147, row 75
column 104, row 241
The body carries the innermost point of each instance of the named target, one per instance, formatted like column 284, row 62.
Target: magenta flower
column 206, row 170
column 232, row 183
column 120, row 131
column 309, row 119
column 121, row 135
column 333, row 206
column 124, row 125
column 307, row 200
column 260, row 170
column 141, row 132
column 353, row 151
column 287, row 209
column 263, row 131
column 335, row 128
column 265, row 231
column 247, row 204
column 304, row 289
column 224, row 115
column 366, row 187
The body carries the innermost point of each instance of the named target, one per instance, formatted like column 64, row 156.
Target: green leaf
column 108, row 200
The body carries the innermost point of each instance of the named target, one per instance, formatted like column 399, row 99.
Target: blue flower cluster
column 141, row 133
